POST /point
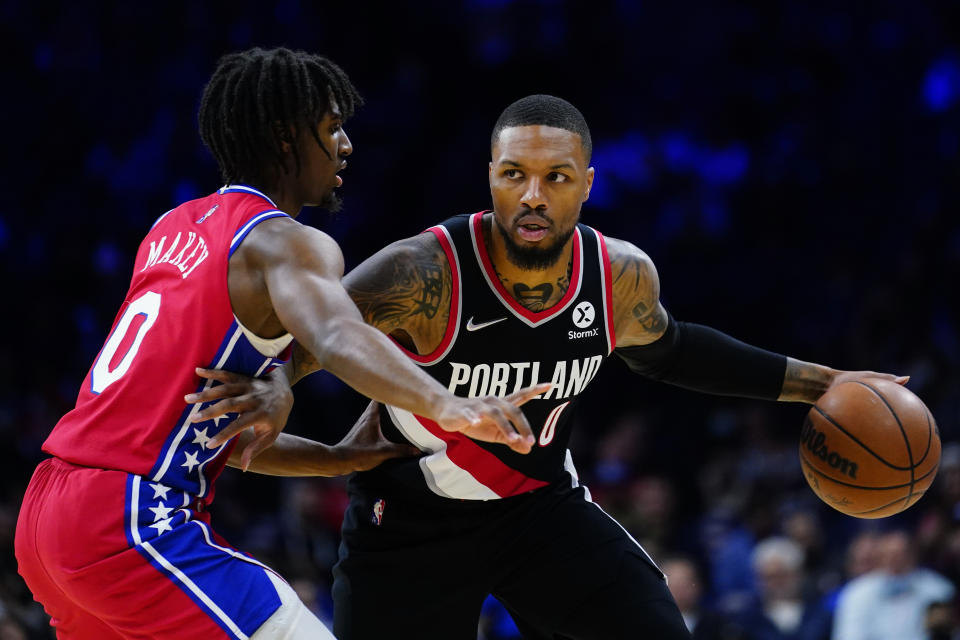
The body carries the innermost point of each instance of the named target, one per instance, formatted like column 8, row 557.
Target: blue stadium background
column 791, row 167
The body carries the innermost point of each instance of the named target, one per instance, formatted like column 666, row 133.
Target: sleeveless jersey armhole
column 606, row 272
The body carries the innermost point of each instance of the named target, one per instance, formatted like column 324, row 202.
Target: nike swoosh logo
column 475, row 327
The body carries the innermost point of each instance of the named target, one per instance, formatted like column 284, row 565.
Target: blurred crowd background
column 790, row 166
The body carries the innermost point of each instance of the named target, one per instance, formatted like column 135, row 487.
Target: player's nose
column 534, row 196
column 346, row 147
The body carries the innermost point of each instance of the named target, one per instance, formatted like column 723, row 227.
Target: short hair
column 257, row 98
column 779, row 548
column 544, row 110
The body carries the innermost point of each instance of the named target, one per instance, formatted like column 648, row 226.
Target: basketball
column 869, row 448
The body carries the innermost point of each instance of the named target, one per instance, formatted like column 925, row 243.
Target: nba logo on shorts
column 378, row 507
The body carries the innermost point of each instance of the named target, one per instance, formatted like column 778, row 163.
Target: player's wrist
column 805, row 381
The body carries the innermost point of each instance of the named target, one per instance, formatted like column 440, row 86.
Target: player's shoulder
column 283, row 239
column 423, row 247
column 625, row 252
column 633, row 273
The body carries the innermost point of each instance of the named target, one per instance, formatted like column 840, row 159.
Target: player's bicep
column 305, row 288
column 639, row 316
column 402, row 287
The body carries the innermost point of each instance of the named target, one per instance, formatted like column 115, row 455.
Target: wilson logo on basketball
column 816, row 442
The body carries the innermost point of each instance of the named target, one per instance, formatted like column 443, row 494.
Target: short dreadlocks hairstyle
column 545, row 110
column 258, row 98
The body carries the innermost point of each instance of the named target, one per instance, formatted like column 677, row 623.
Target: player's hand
column 493, row 419
column 365, row 447
column 852, row 376
column 264, row 405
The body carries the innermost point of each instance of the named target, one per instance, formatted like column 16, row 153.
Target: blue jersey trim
column 242, row 188
column 185, row 414
column 248, row 227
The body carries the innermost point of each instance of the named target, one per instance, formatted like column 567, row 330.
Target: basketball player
column 114, row 536
column 525, row 294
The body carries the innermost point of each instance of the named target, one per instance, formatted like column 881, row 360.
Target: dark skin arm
column 364, row 447
column 404, row 291
column 285, row 277
column 640, row 319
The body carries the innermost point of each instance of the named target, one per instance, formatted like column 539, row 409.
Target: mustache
column 536, row 214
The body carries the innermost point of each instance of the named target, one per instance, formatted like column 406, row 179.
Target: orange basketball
column 869, row 448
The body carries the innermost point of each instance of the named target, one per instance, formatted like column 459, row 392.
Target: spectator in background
column 685, row 584
column 891, row 602
column 782, row 609
column 861, row 557
column 941, row 622
column 938, row 533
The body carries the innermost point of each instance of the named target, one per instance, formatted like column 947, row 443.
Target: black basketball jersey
column 495, row 346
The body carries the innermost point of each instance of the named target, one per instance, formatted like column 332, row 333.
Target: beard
column 535, row 258
column 331, row 202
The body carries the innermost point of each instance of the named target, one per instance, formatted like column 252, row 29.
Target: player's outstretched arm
column 700, row 358
column 300, row 269
column 403, row 290
column 363, row 448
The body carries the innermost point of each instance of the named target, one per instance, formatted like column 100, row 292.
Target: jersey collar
column 531, row 318
column 242, row 188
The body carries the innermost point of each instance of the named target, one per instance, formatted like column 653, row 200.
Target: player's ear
column 490, row 172
column 285, row 134
column 590, row 174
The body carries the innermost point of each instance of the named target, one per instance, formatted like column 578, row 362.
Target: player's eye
column 555, row 176
column 512, row 173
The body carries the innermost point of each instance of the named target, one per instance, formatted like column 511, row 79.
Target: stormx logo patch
column 583, row 315
column 578, row 335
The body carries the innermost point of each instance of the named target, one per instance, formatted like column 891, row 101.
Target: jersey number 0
column 132, row 327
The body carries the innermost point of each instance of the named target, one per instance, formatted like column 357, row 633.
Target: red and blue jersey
column 130, row 414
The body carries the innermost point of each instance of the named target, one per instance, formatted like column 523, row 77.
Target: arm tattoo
column 804, row 382
column 407, row 287
column 301, row 364
column 652, row 322
column 636, row 292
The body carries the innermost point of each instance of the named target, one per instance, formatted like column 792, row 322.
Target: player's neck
column 284, row 198
column 535, row 289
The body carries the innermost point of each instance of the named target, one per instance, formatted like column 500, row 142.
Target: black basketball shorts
column 416, row 568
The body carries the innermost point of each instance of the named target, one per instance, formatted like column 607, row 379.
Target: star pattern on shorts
column 159, row 491
column 161, row 512
column 162, row 525
column 200, row 437
column 191, row 460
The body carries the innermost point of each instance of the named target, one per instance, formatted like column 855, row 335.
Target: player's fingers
column 517, row 419
column 215, row 393
column 393, row 450
column 255, row 448
column 225, row 406
column 219, row 375
column 232, row 429
column 519, row 398
column 508, row 434
column 514, row 415
column 902, row 380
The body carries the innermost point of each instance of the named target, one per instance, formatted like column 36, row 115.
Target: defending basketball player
column 528, row 294
column 114, row 536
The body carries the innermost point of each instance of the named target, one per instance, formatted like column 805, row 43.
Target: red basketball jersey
column 130, row 414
